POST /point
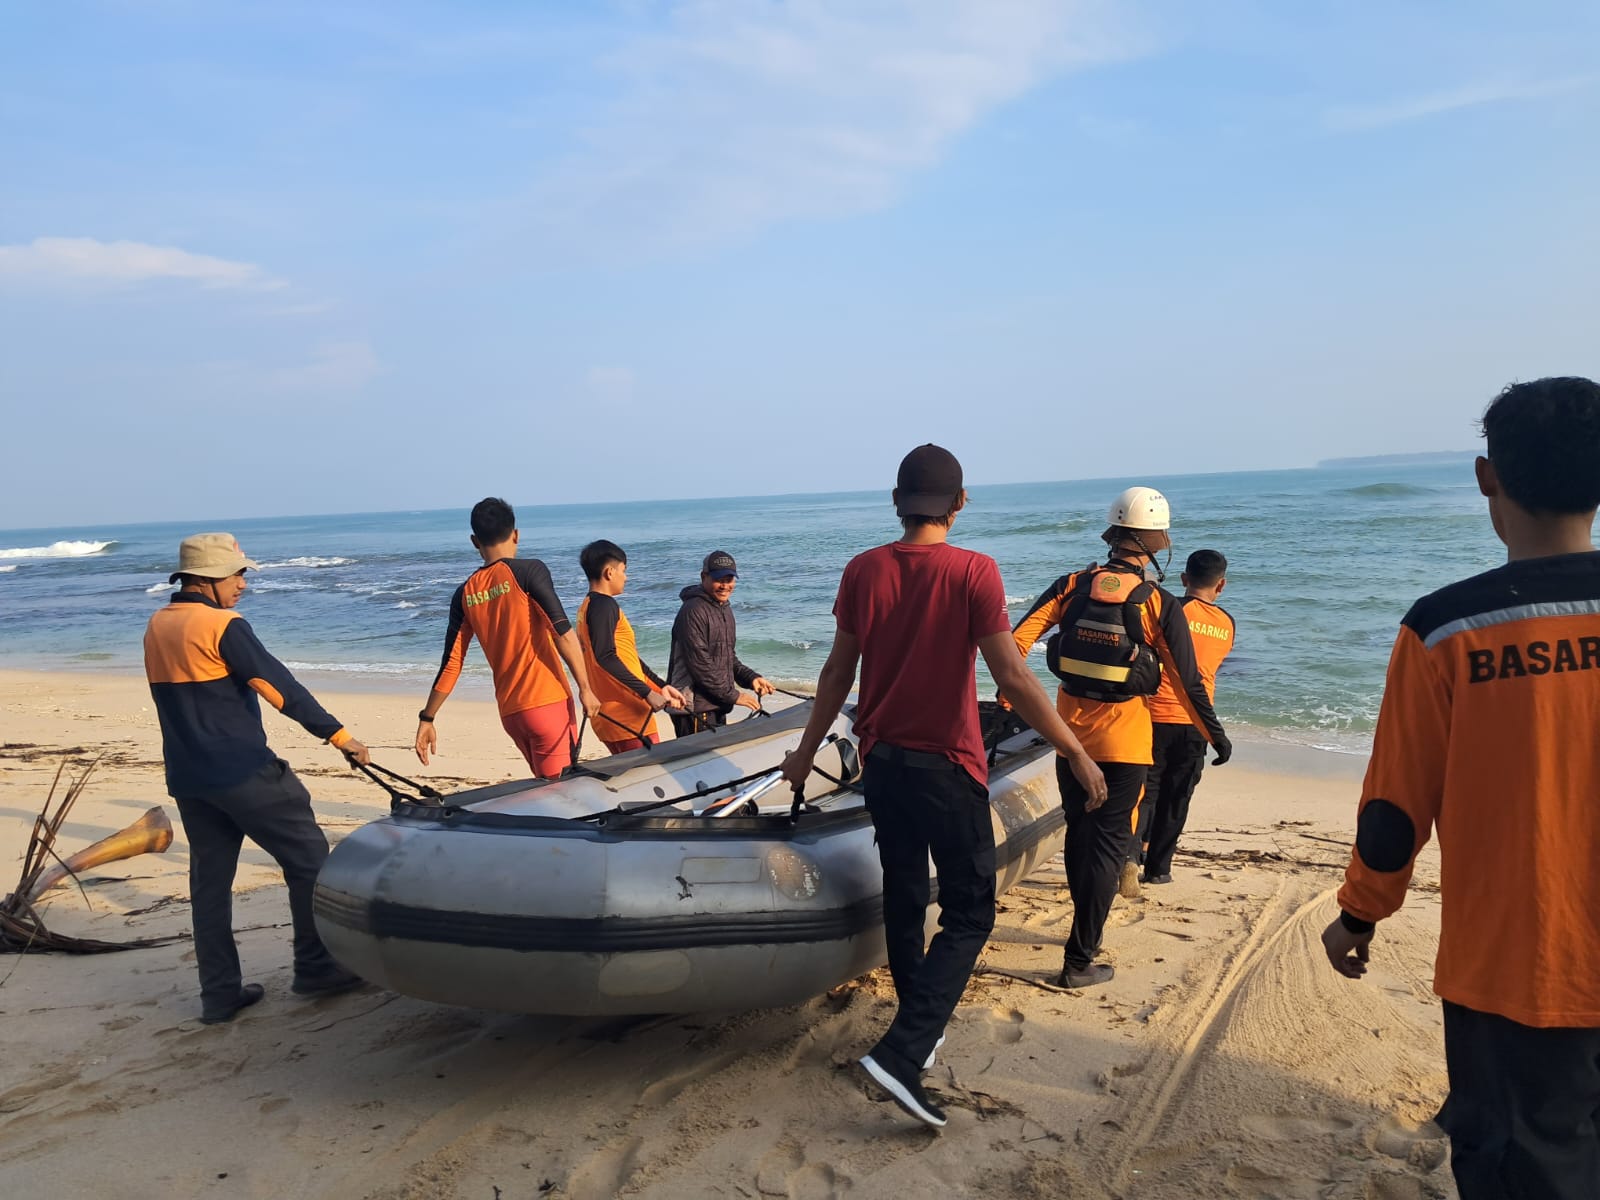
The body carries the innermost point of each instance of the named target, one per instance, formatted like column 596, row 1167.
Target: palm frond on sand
column 22, row 929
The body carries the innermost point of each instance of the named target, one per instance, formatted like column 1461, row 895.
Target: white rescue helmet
column 1141, row 508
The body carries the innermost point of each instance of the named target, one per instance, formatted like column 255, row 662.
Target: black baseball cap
column 928, row 483
column 719, row 564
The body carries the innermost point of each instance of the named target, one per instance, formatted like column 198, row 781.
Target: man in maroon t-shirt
column 915, row 614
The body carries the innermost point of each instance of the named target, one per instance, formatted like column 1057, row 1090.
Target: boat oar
column 750, row 792
column 708, row 790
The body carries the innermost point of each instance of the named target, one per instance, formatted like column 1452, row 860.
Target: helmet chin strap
column 1161, row 573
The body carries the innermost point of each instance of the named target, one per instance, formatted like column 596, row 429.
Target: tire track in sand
column 1262, row 938
column 1281, row 1078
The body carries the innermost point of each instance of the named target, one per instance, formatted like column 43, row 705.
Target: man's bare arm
column 833, row 689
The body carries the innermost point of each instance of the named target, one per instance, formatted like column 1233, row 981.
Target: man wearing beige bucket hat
column 208, row 673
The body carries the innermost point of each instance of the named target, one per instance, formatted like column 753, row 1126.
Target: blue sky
column 285, row 258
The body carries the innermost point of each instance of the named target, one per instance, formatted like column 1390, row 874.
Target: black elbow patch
column 1385, row 836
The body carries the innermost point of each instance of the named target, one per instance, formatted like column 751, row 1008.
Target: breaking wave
column 59, row 550
column 311, row 561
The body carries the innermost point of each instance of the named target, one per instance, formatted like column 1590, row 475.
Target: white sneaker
column 933, row 1054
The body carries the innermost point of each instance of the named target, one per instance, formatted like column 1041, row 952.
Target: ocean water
column 1323, row 564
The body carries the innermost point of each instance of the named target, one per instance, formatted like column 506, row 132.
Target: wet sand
column 1225, row 1059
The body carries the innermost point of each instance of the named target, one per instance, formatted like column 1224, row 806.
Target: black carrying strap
column 641, row 734
column 799, row 802
column 424, row 795
column 997, row 722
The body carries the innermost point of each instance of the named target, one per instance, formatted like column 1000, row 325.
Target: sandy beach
column 1226, row 1058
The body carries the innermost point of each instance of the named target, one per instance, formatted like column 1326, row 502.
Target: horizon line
column 1348, row 462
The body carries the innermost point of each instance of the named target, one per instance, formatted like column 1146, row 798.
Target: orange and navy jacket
column 206, row 669
column 619, row 677
column 511, row 607
column 1487, row 732
column 1122, row 733
column 1211, row 633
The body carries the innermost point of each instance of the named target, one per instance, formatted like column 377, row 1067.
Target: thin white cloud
column 86, row 260
column 1354, row 118
column 337, row 367
column 737, row 116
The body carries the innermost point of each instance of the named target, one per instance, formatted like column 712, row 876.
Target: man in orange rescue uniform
column 1117, row 632
column 1488, row 732
column 1177, row 751
column 207, row 671
column 510, row 606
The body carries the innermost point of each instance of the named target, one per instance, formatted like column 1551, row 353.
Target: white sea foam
column 12, row 567
column 157, row 589
column 405, row 604
column 374, row 668
column 59, row 550
column 311, row 560
column 379, row 589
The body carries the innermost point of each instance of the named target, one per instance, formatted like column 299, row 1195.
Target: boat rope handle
column 425, row 795
column 638, row 733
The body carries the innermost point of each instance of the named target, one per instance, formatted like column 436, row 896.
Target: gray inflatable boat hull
column 512, row 903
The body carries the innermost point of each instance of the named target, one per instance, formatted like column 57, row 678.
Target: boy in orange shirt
column 1488, row 733
column 1177, row 748
column 630, row 692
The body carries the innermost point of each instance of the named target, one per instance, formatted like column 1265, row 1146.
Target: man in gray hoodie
column 703, row 664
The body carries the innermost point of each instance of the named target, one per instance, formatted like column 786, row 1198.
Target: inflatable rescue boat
column 678, row 878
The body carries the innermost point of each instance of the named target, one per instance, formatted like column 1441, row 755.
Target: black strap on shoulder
column 1133, row 611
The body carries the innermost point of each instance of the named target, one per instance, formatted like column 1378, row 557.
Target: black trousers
column 273, row 809
column 686, row 723
column 1180, row 756
column 1097, row 846
column 1523, row 1108
column 924, row 804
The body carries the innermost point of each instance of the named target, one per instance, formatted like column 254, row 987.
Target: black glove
column 1223, row 747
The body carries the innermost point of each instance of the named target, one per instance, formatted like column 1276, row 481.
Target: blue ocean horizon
column 1323, row 563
